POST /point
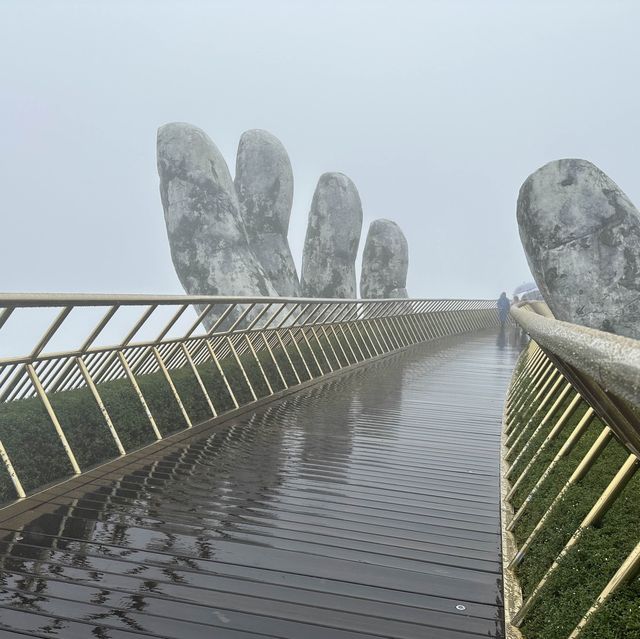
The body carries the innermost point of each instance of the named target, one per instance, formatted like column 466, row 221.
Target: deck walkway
column 366, row 506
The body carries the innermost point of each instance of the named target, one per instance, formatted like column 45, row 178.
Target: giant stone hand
column 581, row 235
column 231, row 239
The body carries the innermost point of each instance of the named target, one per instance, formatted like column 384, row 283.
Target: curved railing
column 107, row 374
column 571, row 493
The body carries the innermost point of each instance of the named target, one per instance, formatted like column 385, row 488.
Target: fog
column 436, row 110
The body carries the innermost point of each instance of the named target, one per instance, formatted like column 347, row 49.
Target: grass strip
column 619, row 618
column 553, row 484
column 586, row 569
column 566, row 517
column 546, row 455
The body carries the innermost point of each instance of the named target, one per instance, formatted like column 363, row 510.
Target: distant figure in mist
column 503, row 308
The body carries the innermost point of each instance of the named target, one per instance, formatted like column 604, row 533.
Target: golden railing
column 567, row 380
column 275, row 343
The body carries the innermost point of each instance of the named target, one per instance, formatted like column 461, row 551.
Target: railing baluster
column 218, row 365
column 125, row 365
column 101, row 406
column 244, row 373
column 286, row 352
column 15, row 480
column 275, row 361
column 257, row 359
column 297, row 347
column 203, row 388
column 52, row 416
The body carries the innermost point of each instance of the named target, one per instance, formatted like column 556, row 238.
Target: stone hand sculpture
column 264, row 184
column 333, row 235
column 385, row 262
column 208, row 241
column 230, row 239
column 581, row 235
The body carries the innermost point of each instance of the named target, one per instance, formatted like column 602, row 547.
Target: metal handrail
column 610, row 360
column 101, row 299
column 566, row 367
column 311, row 338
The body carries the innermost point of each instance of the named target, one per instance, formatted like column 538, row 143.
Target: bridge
column 230, row 467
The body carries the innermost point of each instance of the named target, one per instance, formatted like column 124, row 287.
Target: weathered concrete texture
column 208, row 242
column 264, row 185
column 385, row 262
column 581, row 235
column 333, row 235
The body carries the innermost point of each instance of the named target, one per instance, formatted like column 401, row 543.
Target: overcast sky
column 437, row 110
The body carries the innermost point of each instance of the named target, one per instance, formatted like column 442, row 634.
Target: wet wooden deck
column 366, row 506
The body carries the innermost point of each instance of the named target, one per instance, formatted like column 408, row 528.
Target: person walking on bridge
column 503, row 308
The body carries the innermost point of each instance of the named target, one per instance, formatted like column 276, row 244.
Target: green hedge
column 37, row 453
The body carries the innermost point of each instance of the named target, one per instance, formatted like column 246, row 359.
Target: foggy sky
column 437, row 111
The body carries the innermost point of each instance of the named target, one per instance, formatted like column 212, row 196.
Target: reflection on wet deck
column 367, row 506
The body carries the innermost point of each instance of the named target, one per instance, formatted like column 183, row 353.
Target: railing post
column 52, row 416
column 15, row 480
column 101, row 406
column 244, row 373
column 215, row 360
